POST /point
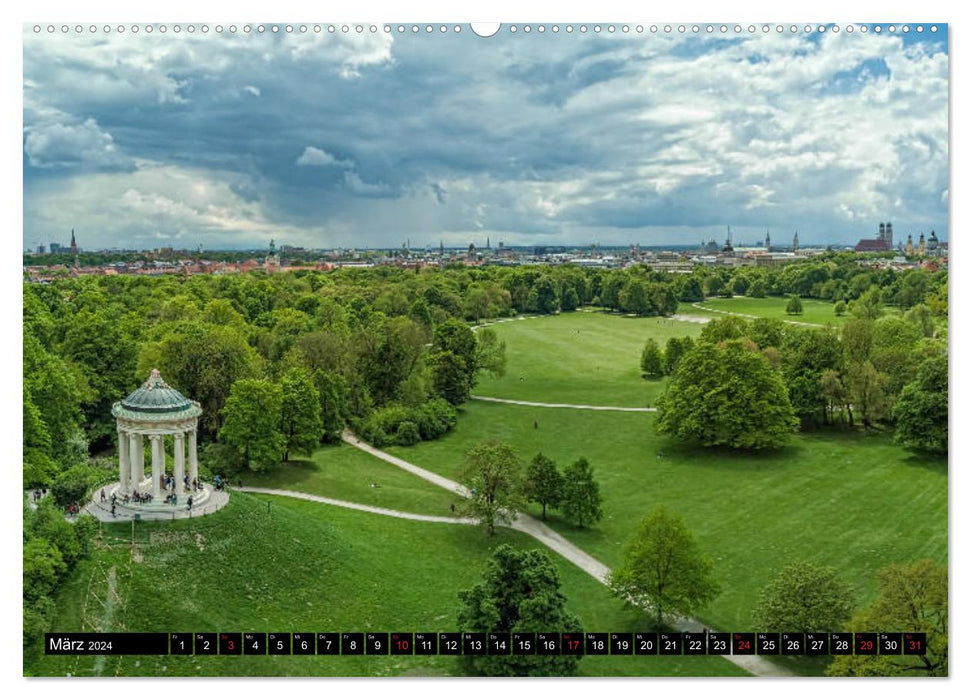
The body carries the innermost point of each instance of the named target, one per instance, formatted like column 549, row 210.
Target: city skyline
column 176, row 141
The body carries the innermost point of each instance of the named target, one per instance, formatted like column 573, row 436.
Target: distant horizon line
column 432, row 248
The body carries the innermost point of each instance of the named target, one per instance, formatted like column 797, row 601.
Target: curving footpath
column 359, row 506
column 756, row 665
column 586, row 407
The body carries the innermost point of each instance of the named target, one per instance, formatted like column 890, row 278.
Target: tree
column 794, row 307
column 543, row 297
column 493, row 474
column 202, row 361
column 332, row 390
column 691, row 290
column 869, row 305
column 635, row 299
column 490, row 354
column 451, row 378
column 912, row 598
column 727, row 395
column 728, row 328
column 867, row 392
column 251, row 422
column 570, row 300
column 520, row 592
column 833, row 391
column 805, row 597
column 921, row 317
column 543, row 483
column 839, row 308
column 663, row 569
column 674, row 350
column 652, row 361
column 921, row 411
column 300, row 420
column 581, row 494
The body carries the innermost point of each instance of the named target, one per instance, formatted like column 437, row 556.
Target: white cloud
column 252, row 89
column 315, row 156
column 70, row 145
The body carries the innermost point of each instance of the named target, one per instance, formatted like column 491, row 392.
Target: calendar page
column 551, row 349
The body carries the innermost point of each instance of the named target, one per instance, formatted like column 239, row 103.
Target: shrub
column 407, row 434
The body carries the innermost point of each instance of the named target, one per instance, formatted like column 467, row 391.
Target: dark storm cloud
column 327, row 139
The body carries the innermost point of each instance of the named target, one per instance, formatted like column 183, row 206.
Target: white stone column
column 179, row 467
column 124, row 464
column 137, row 459
column 193, row 458
column 158, row 465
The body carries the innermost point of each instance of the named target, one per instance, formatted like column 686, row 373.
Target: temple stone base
column 204, row 502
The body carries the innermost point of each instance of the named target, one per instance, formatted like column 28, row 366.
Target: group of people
column 220, row 484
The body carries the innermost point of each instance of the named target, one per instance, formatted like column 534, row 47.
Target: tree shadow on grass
column 728, row 458
column 925, row 460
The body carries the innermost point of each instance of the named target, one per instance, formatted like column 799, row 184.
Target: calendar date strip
column 486, row 643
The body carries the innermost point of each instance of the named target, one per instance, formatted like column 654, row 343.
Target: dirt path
column 359, row 506
column 585, row 407
column 756, row 665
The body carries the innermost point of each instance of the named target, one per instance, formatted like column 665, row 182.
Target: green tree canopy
column 726, row 394
column 663, row 569
column 794, row 305
column 543, row 482
column 494, row 476
column 581, row 499
column 805, row 597
column 912, row 598
column 652, row 360
column 203, row 362
column 520, row 592
column 921, row 411
column 300, row 420
column 251, row 422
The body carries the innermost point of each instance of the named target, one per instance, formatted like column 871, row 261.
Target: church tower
column 74, row 244
column 768, row 241
column 795, row 242
column 920, row 245
column 909, row 248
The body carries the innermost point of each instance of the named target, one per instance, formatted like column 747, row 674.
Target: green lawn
column 278, row 564
column 580, row 357
column 343, row 472
column 813, row 310
column 853, row 502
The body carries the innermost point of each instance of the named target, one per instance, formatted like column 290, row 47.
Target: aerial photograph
column 557, row 349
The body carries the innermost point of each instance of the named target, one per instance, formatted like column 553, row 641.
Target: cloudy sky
column 328, row 140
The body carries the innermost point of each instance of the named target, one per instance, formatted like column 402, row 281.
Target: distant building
column 795, row 243
column 55, row 248
column 881, row 244
column 909, row 248
column 74, row 244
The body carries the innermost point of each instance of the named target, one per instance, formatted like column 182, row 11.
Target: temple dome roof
column 156, row 400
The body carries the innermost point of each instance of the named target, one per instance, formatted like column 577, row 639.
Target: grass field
column 581, row 357
column 277, row 564
column 813, row 310
column 853, row 502
column 342, row 472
